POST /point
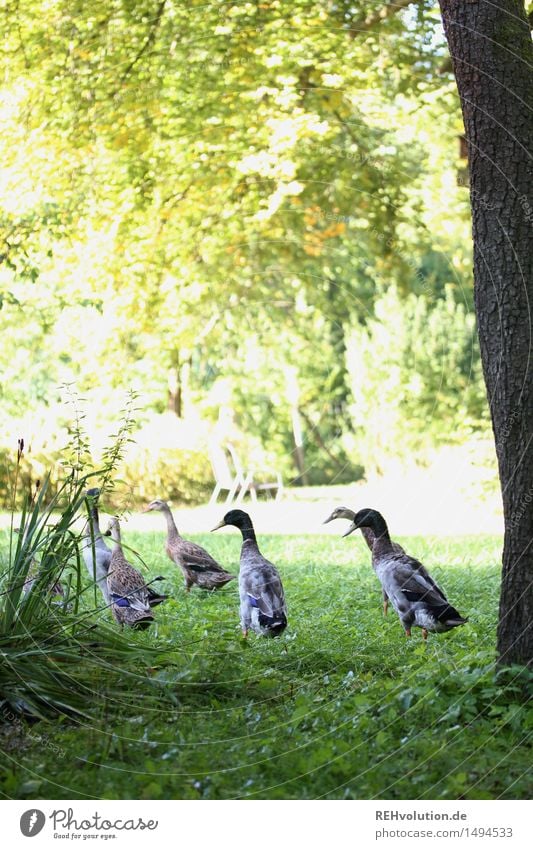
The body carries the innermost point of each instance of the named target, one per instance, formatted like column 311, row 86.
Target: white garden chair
column 248, row 481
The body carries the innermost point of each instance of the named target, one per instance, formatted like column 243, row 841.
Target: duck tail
column 155, row 598
column 271, row 625
column 450, row 616
column 274, row 625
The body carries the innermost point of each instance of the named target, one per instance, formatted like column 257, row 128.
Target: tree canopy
column 214, row 201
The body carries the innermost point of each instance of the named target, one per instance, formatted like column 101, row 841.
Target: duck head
column 156, row 505
column 367, row 518
column 340, row 513
column 113, row 529
column 238, row 518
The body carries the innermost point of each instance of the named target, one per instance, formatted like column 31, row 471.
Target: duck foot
column 407, row 632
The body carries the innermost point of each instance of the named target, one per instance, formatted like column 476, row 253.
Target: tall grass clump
column 58, row 653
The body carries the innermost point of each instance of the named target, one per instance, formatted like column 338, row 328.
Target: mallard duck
column 126, row 586
column 413, row 593
column 263, row 607
column 197, row 565
column 93, row 541
column 369, row 537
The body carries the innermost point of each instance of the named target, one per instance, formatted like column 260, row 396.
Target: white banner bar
column 275, row 824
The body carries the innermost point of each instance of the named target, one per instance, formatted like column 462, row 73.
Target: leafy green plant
column 54, row 648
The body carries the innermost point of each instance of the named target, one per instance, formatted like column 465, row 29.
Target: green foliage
column 175, row 474
column 55, row 657
column 341, row 706
column 165, row 203
column 415, row 378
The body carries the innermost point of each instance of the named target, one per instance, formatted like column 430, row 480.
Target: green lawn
column 341, row 706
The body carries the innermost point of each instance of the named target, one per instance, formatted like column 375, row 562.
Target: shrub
column 415, row 378
column 182, row 476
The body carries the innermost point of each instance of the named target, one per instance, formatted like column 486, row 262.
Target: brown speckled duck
column 97, row 555
column 263, row 607
column 413, row 593
column 198, row 567
column 130, row 601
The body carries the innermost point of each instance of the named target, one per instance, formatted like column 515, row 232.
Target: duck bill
column 221, row 524
column 146, row 509
column 329, row 519
column 353, row 527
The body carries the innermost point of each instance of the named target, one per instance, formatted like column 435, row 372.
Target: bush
column 182, row 476
column 415, row 378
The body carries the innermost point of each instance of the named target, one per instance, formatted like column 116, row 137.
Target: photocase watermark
column 388, row 241
column 43, row 739
column 527, row 209
column 361, row 157
column 506, row 430
column 32, row 822
column 518, row 515
column 66, row 825
column 464, row 183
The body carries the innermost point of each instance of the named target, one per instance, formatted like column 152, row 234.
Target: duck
column 198, row 567
column 413, row 593
column 55, row 590
column 128, row 593
column 97, row 554
column 369, row 537
column 262, row 600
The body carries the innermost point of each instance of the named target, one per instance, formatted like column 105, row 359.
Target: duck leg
column 385, row 603
column 407, row 632
column 245, row 633
column 424, row 634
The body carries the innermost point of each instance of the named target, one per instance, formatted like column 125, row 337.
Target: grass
column 341, row 706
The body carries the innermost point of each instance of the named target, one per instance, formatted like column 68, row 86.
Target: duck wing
column 423, row 577
column 193, row 556
column 414, row 585
column 261, row 583
column 127, row 587
column 404, row 576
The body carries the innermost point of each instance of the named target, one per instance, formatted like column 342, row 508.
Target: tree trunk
column 491, row 50
column 175, row 399
column 293, row 395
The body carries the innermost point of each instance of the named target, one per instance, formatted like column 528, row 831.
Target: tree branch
column 149, row 40
column 318, row 438
column 392, row 7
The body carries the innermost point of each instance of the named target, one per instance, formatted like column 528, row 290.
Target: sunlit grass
column 341, row 706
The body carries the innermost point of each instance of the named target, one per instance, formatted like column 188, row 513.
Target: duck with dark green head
column 262, row 608
column 413, row 593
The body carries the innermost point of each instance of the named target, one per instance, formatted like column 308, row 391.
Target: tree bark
column 490, row 46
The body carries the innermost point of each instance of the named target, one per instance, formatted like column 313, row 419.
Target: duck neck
column 95, row 521
column 382, row 542
column 115, row 536
column 172, row 531
column 369, row 537
column 248, row 533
